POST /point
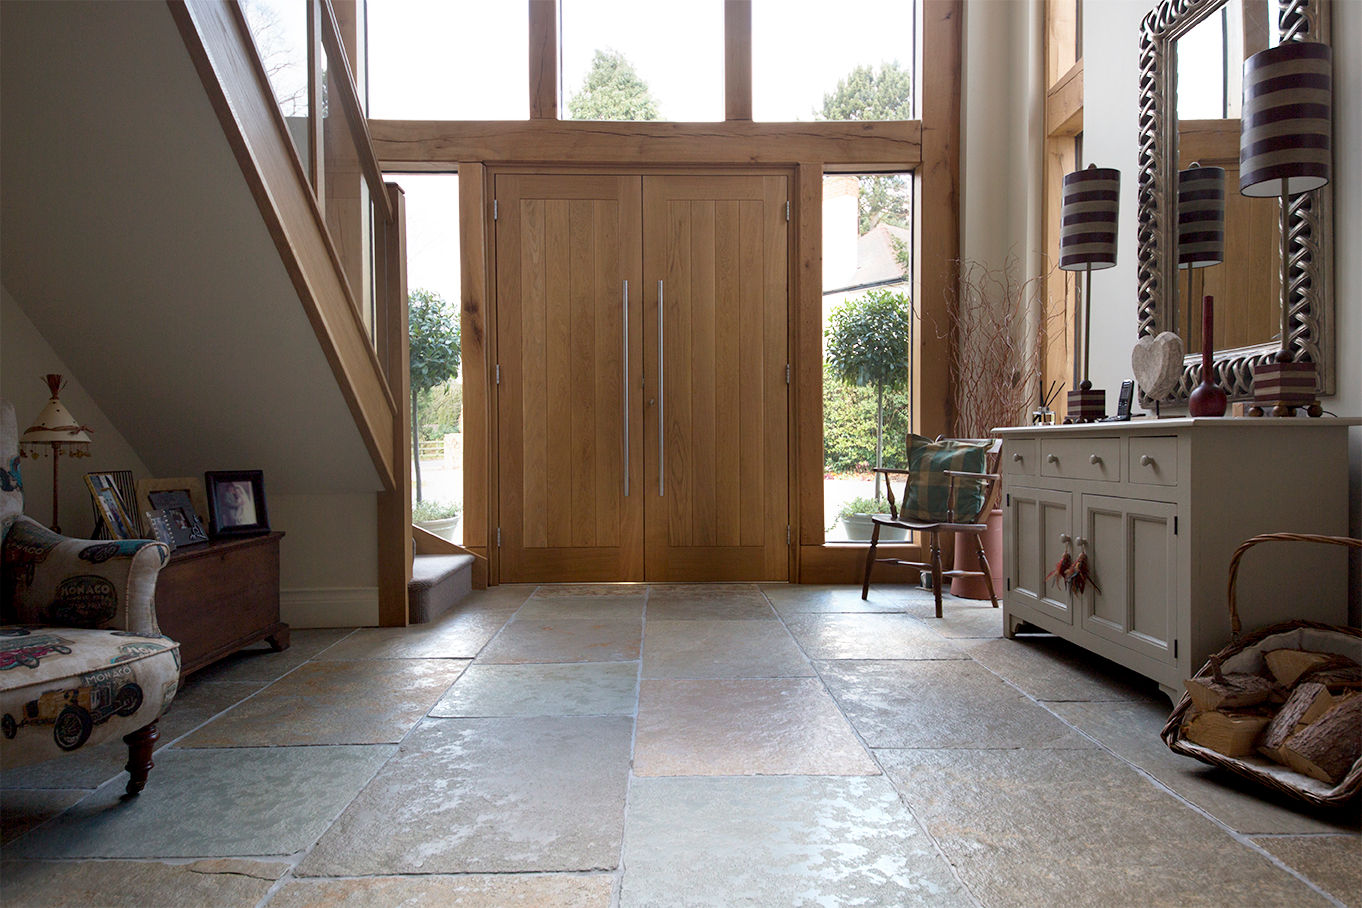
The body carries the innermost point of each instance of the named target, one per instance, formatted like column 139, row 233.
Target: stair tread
column 428, row 570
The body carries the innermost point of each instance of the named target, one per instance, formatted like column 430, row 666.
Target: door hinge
column 787, row 373
column 1175, row 649
column 1175, row 524
column 787, row 210
column 788, row 537
column 1009, row 499
column 498, row 373
column 494, row 209
column 1009, row 584
column 498, row 537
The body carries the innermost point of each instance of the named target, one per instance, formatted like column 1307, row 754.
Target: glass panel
column 433, row 292
column 867, row 344
column 279, row 28
column 851, row 61
column 1210, row 71
column 624, row 60
column 438, row 60
column 347, row 200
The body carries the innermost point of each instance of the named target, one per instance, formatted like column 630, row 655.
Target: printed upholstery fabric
column 11, row 484
column 66, row 688
column 927, row 492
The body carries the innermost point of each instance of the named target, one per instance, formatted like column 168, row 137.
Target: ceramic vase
column 1207, row 399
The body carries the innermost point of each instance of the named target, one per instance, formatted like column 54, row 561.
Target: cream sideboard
column 1159, row 506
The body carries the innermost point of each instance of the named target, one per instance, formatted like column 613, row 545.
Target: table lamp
column 1284, row 150
column 1087, row 242
column 55, row 428
column 1201, row 228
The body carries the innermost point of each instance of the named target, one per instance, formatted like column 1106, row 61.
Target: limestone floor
column 668, row 745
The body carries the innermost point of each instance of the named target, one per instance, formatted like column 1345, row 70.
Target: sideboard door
column 1132, row 546
column 1038, row 522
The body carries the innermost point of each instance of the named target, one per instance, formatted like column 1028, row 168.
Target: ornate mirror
column 1201, row 45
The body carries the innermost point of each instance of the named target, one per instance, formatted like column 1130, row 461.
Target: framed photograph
column 122, row 481
column 191, row 488
column 110, row 507
column 180, row 520
column 236, row 503
column 159, row 527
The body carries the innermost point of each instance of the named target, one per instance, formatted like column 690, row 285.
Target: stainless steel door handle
column 626, row 389
column 661, row 401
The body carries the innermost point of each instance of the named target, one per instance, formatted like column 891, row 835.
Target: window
column 867, row 344
column 438, row 60
column 625, row 60
column 852, row 60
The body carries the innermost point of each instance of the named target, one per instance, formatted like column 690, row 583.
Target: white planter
column 858, row 528
column 446, row 527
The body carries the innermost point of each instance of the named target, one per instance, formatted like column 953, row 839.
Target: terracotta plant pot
column 966, row 559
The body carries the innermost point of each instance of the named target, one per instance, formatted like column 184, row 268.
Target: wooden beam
column 543, row 59
column 220, row 46
column 1061, row 38
column 856, row 145
column 394, row 507
column 1064, row 104
column 738, row 59
column 474, row 363
column 808, row 353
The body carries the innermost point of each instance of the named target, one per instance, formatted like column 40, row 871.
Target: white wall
column 25, row 357
column 1111, row 103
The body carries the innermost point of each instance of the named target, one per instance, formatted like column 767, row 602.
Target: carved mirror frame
column 1309, row 222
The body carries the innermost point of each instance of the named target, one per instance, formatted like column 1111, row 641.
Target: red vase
column 1207, row 399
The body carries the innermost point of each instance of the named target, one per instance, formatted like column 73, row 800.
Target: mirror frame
column 1309, row 222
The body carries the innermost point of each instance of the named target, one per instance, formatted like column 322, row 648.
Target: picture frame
column 236, row 503
column 158, row 525
column 176, row 506
column 110, row 507
column 191, row 485
column 123, row 482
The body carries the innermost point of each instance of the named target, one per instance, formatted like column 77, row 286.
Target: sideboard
column 217, row 597
column 1159, row 507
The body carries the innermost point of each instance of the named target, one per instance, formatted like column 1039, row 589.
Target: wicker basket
column 1245, row 654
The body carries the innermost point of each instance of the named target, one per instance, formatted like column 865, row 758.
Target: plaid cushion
column 928, row 487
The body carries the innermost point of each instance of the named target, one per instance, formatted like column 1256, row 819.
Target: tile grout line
column 617, row 886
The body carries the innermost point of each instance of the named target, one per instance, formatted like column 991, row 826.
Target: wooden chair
column 972, row 524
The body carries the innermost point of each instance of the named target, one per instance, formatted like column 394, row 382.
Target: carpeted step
column 438, row 583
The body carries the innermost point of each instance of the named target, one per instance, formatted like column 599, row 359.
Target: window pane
column 867, row 342
column 625, row 60
column 279, row 28
column 433, row 278
column 449, row 60
column 803, row 49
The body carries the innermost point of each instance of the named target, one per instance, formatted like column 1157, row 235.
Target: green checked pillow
column 928, row 485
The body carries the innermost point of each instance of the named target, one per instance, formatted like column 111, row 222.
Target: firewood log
column 1222, row 691
column 1327, row 748
column 1307, row 703
column 1339, row 674
column 1231, row 734
column 1287, row 665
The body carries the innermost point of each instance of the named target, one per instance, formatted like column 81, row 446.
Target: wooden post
column 738, row 60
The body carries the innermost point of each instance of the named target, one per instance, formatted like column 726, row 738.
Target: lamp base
column 1086, row 406
column 1285, row 387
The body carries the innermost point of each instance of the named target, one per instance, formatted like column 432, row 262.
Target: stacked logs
column 1306, row 713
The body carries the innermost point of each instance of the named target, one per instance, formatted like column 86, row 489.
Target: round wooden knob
column 1094, row 459
column 1081, row 542
column 1146, row 460
column 1065, row 538
column 1016, row 458
column 1052, row 458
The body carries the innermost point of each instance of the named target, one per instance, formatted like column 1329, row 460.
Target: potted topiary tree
column 856, row 523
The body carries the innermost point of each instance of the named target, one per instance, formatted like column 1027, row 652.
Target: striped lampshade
column 1284, row 131
column 1201, row 217
column 1087, row 233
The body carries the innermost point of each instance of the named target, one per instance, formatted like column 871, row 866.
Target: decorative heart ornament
column 1157, row 364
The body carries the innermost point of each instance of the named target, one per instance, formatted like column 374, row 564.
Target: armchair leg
column 140, row 744
column 870, row 560
column 936, row 569
column 988, row 575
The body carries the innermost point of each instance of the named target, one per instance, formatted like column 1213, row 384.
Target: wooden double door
column 643, row 377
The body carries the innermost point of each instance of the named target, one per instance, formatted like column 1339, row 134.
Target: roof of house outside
column 876, row 264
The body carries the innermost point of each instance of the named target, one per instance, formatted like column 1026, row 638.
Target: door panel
column 1134, row 559
column 566, row 245
column 715, row 276
column 1038, row 525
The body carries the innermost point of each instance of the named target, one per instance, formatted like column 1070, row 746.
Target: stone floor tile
column 364, row 702
column 959, row 617
column 940, row 703
column 566, row 640
column 1078, row 828
column 1130, row 729
column 1331, row 862
column 793, row 840
column 137, row 884
column 1049, row 668
column 720, row 649
column 738, row 603
column 788, row 726
column 461, row 634
column 869, row 636
column 258, row 662
column 488, row 796
column 571, row 689
column 699, row 592
column 540, row 890
column 22, row 809
column 796, row 598
column 592, row 608
column 212, row 803
column 589, row 590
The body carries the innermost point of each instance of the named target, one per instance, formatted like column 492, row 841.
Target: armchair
column 950, row 485
column 81, row 657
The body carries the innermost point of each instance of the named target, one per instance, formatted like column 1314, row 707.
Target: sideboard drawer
column 1019, row 457
column 1152, row 459
column 1081, row 458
